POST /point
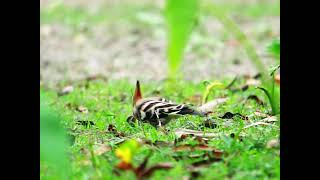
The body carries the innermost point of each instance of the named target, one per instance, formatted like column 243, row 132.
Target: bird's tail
column 187, row 110
column 199, row 113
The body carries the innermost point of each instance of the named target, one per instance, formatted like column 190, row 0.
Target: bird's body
column 156, row 110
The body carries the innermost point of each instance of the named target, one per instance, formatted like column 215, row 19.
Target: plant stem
column 240, row 36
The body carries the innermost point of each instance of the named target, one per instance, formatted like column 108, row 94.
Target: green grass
column 110, row 103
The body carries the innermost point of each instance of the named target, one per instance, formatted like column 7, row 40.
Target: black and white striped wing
column 161, row 109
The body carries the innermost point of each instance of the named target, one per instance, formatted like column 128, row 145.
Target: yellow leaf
column 127, row 150
column 124, row 154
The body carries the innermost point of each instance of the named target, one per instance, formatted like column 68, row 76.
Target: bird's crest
column 137, row 93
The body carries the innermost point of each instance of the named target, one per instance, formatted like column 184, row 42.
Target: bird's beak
column 137, row 93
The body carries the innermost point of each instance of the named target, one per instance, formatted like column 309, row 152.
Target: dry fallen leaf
column 255, row 98
column 156, row 143
column 66, row 90
column 273, row 143
column 148, row 172
column 124, row 166
column 142, row 171
column 258, row 123
column 253, row 82
column 98, row 149
column 229, row 115
column 209, row 106
column 270, row 119
column 113, row 130
column 200, row 140
column 82, row 109
column 260, row 114
column 188, row 147
column 181, row 132
column 101, row 148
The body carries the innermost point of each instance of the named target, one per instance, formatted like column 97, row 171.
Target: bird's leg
column 157, row 113
column 159, row 123
column 162, row 128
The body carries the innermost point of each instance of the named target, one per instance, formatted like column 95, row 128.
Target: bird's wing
column 161, row 108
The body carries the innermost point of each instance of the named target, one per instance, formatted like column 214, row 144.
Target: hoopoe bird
column 156, row 110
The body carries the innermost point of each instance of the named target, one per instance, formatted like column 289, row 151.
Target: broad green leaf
column 53, row 141
column 181, row 17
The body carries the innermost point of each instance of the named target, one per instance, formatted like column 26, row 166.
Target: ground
column 120, row 41
column 100, row 49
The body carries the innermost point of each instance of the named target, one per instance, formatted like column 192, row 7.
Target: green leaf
column 181, row 17
column 274, row 48
column 273, row 94
column 53, row 141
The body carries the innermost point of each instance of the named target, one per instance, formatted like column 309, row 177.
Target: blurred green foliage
column 53, row 143
column 181, row 17
column 58, row 12
column 274, row 48
column 79, row 16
